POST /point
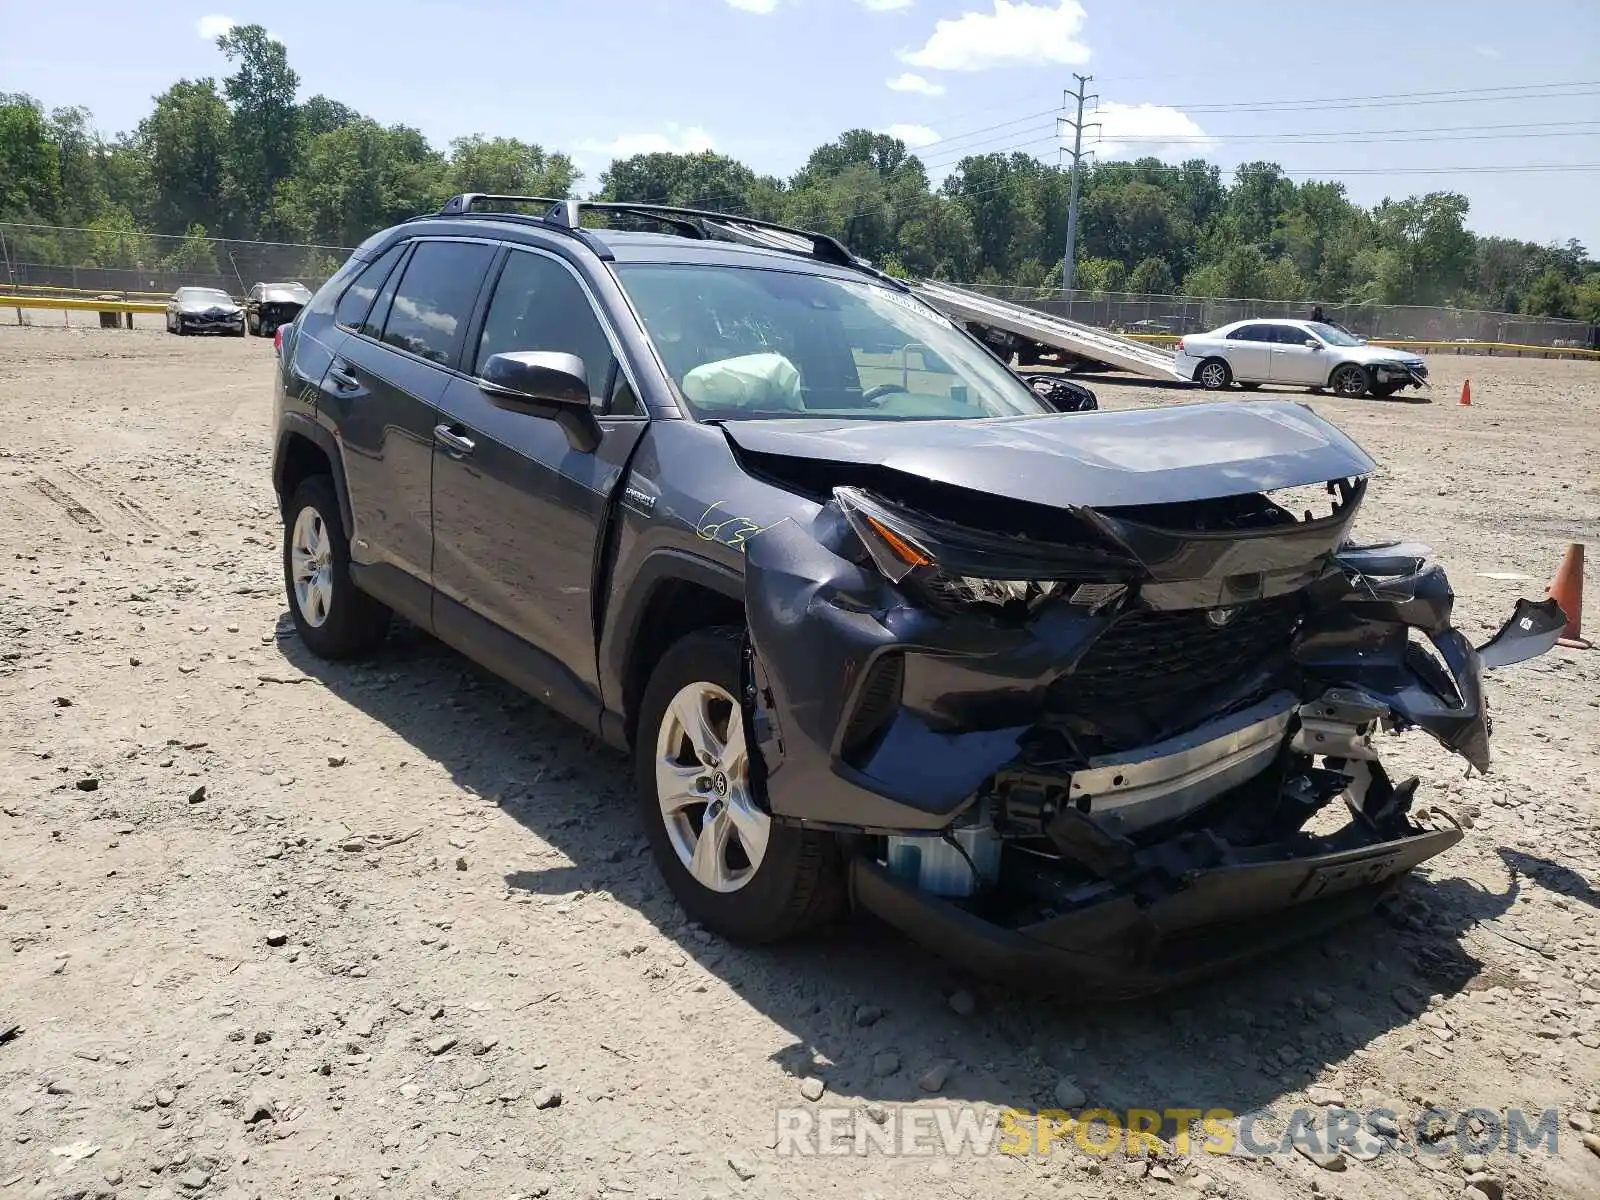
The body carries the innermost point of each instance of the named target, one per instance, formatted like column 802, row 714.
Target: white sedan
column 1308, row 354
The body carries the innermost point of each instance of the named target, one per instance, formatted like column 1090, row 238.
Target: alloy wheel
column 703, row 785
column 311, row 553
column 1351, row 381
column 1214, row 375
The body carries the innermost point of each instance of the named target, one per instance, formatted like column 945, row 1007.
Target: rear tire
column 754, row 880
column 1214, row 374
column 334, row 618
column 1350, row 381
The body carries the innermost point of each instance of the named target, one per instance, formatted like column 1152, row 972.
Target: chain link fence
column 44, row 258
column 1127, row 312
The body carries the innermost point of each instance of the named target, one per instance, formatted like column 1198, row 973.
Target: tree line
column 243, row 157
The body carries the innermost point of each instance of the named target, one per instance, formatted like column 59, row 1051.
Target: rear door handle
column 342, row 379
column 457, row 444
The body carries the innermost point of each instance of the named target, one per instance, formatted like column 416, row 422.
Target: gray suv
column 1057, row 693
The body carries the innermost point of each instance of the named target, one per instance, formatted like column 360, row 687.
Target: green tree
column 1428, row 237
column 358, row 179
column 186, row 141
column 194, row 253
column 1551, row 295
column 1152, row 277
column 509, row 167
column 263, row 125
column 1100, row 275
column 30, row 168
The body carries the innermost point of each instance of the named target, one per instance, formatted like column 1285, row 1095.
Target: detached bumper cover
column 1413, row 372
column 1219, row 917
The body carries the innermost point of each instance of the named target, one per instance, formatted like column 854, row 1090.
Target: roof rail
column 466, row 202
column 567, row 215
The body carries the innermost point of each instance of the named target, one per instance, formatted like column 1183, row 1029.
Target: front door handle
column 342, row 379
column 456, row 444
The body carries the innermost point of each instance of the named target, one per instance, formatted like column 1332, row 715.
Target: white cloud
column 674, row 140
column 214, row 25
column 915, row 83
column 1014, row 33
column 1487, row 51
column 912, row 135
column 763, row 7
column 1141, row 129
column 885, row 5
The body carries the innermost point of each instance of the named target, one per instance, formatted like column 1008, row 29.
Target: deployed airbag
column 759, row 382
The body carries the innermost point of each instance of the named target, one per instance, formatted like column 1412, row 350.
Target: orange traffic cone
column 1466, row 391
column 1567, row 591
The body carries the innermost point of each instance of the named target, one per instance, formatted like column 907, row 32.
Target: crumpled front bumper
column 1370, row 631
column 1221, row 916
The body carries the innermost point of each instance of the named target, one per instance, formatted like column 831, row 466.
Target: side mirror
column 545, row 384
column 1313, row 344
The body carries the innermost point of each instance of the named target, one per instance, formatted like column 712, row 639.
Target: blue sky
column 766, row 80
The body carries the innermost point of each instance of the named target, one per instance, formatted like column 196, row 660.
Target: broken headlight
column 955, row 567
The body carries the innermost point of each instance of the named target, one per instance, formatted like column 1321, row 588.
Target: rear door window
column 435, row 298
column 1252, row 333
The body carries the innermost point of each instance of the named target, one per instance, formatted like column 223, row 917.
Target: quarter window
column 357, row 298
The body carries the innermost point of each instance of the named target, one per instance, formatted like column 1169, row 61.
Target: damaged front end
column 1106, row 744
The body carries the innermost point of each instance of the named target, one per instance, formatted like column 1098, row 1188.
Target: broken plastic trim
column 956, row 566
column 1532, row 630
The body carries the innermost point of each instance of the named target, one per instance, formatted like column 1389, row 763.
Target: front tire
column 333, row 617
column 730, row 866
column 1351, row 381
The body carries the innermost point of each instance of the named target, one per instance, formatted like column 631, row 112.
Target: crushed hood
column 1097, row 459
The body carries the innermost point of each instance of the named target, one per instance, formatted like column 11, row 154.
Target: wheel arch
column 673, row 594
column 305, row 449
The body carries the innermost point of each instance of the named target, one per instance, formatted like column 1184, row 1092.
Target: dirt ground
column 275, row 928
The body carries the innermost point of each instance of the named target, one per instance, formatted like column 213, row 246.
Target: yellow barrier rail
column 73, row 304
column 84, row 293
column 1518, row 348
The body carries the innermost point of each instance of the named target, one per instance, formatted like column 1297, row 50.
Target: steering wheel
column 872, row 395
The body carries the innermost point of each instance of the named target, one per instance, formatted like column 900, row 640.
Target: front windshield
column 204, row 294
column 744, row 342
column 1334, row 337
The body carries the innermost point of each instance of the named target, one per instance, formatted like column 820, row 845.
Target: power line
column 1447, row 95
column 1200, row 141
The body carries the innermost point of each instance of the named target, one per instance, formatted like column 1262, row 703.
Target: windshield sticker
column 729, row 530
column 908, row 303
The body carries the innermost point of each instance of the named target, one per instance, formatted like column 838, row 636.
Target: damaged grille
column 1154, row 659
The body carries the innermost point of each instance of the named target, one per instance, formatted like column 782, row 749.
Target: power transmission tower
column 1069, row 259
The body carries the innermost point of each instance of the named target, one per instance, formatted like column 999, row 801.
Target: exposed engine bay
column 1094, row 739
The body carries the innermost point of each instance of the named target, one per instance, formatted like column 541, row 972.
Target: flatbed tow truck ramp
column 1081, row 342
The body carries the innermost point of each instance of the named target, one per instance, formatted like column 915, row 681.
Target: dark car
column 204, row 310
column 1057, row 693
column 270, row 305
